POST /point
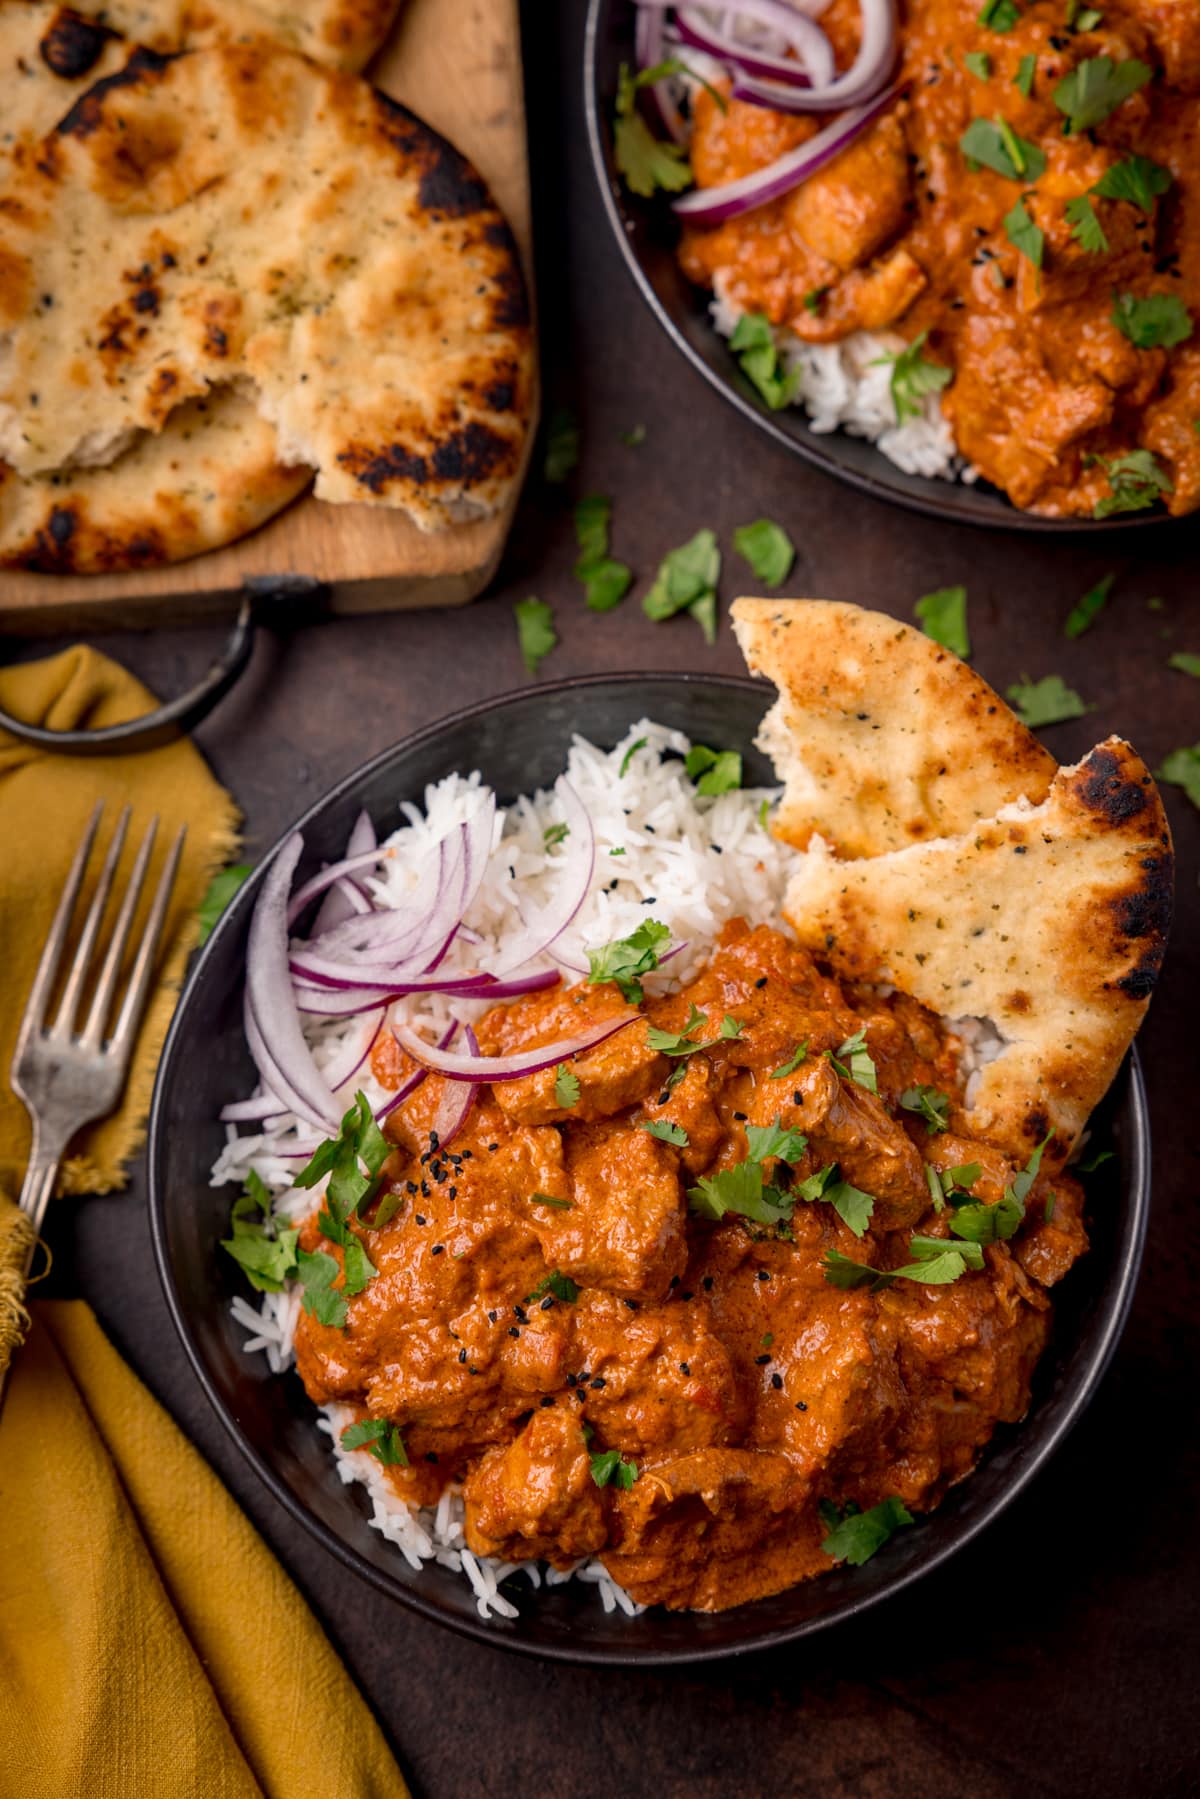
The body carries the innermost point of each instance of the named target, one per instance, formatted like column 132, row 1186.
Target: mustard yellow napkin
column 150, row 1646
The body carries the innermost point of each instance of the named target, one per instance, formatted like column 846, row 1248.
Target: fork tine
column 143, row 967
column 92, row 1034
column 64, row 1024
column 43, row 980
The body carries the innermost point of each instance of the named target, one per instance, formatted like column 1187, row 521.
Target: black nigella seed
column 684, row 1369
column 513, row 1331
column 462, row 1355
column 571, row 1379
column 547, row 1302
column 492, row 1317
column 741, row 1117
column 674, row 1280
column 762, row 1360
column 707, row 1282
column 425, row 1189
column 580, row 1394
column 777, row 1381
column 764, row 1274
column 433, row 1139
column 761, row 981
column 520, row 1315
column 425, row 1158
column 437, row 1249
column 598, row 1383
column 418, row 1218
column 410, row 1186
column 800, row 1406
column 493, row 1147
column 545, row 1400
column 452, row 1193
column 632, row 1304
column 686, row 1296
column 431, row 1455
column 797, row 1098
column 457, row 1160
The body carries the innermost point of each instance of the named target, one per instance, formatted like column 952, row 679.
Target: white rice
column 691, row 863
column 847, row 386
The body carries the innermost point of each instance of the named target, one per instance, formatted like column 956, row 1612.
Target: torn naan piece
column 1049, row 921
column 881, row 737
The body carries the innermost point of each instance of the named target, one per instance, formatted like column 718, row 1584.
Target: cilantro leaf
column 928, row 1269
column 1026, row 70
column 265, row 1260
column 1136, row 481
column 1093, row 1162
column 1085, row 612
column 1182, row 769
column 914, row 376
column 549, row 1199
column 978, row 63
column 535, row 631
column 666, row 1132
column 768, row 549
column 221, row 890
column 1185, row 662
column 380, row 1438
column 566, row 1086
column 679, row 1043
column 739, row 1189
column 359, row 1144
column 798, row 1055
column 635, row 436
column 995, row 144
column 687, row 582
column 1025, row 237
column 714, row 771
column 555, row 1285
column 770, row 1142
column 606, row 582
column 554, row 835
column 646, row 162
column 627, row 758
column 1136, row 179
column 562, row 445
column 592, row 515
column 931, row 1103
column 853, row 1207
column 814, row 1186
column 859, row 1067
column 932, row 1251
column 1096, row 87
column 626, row 960
column 859, row 1534
column 609, row 1465
column 1084, row 18
column 753, row 343
column 1086, row 228
column 1000, row 15
column 982, row 1223
column 1160, row 321
column 1046, row 702
column 317, row 1274
column 943, row 616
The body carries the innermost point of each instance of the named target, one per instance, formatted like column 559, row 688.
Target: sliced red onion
column 250, row 1111
column 327, row 878
column 457, row 1099
column 503, row 1068
column 396, row 927
column 649, row 50
column 414, row 1080
column 713, row 205
column 346, row 1002
column 282, row 1057
column 353, row 1052
column 575, row 877
column 812, row 47
column 337, row 904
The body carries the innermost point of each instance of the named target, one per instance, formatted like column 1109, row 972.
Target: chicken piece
column 535, row 1496
column 623, row 1225
column 944, row 1150
column 874, row 1153
column 714, row 1529
column 691, row 1105
column 867, row 299
column 617, row 1073
column 1169, row 429
column 1047, row 1247
column 653, row 1377
column 848, row 210
column 1173, row 27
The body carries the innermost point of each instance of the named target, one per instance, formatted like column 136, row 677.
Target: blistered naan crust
column 343, row 33
column 1049, row 920
column 237, row 215
column 881, row 737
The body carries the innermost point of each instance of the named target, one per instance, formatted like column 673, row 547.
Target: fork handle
column 36, row 1189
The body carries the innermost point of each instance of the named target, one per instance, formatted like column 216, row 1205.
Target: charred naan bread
column 1048, row 920
column 211, row 475
column 881, row 737
column 342, row 33
column 241, row 216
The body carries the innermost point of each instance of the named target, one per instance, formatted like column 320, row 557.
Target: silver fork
column 67, row 1076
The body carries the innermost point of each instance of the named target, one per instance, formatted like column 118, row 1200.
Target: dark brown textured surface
column 1056, row 1658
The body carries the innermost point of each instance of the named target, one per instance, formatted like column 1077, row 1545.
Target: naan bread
column 881, row 737
column 342, row 33
column 1049, row 920
column 49, row 55
column 243, row 216
column 210, row 476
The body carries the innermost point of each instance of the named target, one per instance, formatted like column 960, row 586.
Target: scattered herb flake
column 1000, row 15
column 1088, row 609
column 1159, row 321
column 535, row 631
column 1025, row 237
column 742, row 1190
column 943, row 616
column 562, row 445
column 566, row 1086
column 1093, row 1162
column 1135, row 179
column 559, row 1285
column 1085, row 225
column 1096, row 87
column 548, row 1199
column 775, row 1142
column 857, row 1065
column 1026, row 70
column 978, row 63
column 635, row 436
column 627, row 758
column 626, row 960
column 1136, row 482
column 854, row 1536
column 380, row 1438
column 914, row 376
column 646, row 162
column 714, row 771
column 554, row 835
column 687, row 582
column 666, row 1132
column 1182, row 769
column 317, row 1274
column 768, row 549
column 1186, row 662
column 221, row 890
column 753, row 343
column 609, row 1465
column 931, row 1104
column 798, row 1055
column 605, row 581
column 1046, row 702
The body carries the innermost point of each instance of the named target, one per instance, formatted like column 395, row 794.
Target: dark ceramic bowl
column 647, row 234
column 520, row 742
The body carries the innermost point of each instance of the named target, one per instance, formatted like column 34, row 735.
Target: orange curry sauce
column 714, row 1356
column 900, row 232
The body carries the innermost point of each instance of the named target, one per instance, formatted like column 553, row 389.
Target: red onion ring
column 575, row 878
column 648, row 53
column 282, row 1057
column 337, row 906
column 353, row 1053
column 457, row 1099
column 503, row 1068
column 327, row 877
column 813, row 49
column 414, row 1080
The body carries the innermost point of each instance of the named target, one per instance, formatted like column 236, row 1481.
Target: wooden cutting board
column 456, row 63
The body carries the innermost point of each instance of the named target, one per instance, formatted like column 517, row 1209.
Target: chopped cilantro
column 1086, row 611
column 554, row 835
column 1136, row 481
column 854, row 1207
column 626, row 960
column 714, row 771
column 379, row 1438
column 566, row 1086
column 740, row 1189
column 666, row 1132
column 605, row 581
column 548, row 1199
column 1000, row 15
column 943, row 616
column 1026, row 70
column 771, row 1142
column 979, row 1223
column 560, row 1286
column 679, row 1043
column 1096, row 87
column 317, row 1274
column 359, row 1145
column 1046, row 702
column 793, row 1062
column 854, row 1536
column 753, row 343
column 265, row 1254
column 562, row 445
column 1157, row 322
column 535, row 631
column 1086, row 228
column 768, row 549
column 979, row 64
column 813, row 298
column 858, row 1067
column 627, row 758
column 730, row 1026
column 931, row 1103
column 687, row 582
column 995, row 144
column 1136, row 179
column 914, row 376
column 634, row 436
column 1025, row 237
column 646, row 162
column 763, row 813
column 609, row 1465
column 1083, row 18
column 1182, row 769
column 933, row 1267
column 1185, row 662
column 221, row 890
column 1093, row 1162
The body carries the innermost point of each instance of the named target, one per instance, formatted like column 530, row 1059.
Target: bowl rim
column 807, row 446
column 1135, row 1199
